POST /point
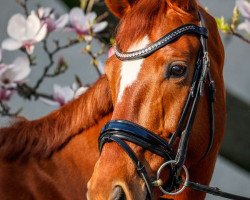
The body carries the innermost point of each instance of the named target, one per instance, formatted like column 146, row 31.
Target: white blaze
column 131, row 69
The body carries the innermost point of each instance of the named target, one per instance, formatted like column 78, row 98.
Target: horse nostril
column 118, row 194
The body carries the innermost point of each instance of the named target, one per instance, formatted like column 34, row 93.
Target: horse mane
column 41, row 137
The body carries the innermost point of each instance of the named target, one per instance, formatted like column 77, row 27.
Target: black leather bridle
column 120, row 131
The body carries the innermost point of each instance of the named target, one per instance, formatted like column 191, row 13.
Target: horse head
column 157, row 69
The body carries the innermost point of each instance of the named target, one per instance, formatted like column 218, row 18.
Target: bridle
column 120, row 131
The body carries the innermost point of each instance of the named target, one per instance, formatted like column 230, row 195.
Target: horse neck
column 40, row 138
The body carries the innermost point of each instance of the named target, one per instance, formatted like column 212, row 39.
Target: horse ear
column 119, row 7
column 184, row 5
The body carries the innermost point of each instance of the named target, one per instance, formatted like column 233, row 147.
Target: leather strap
column 136, row 134
column 167, row 39
column 214, row 191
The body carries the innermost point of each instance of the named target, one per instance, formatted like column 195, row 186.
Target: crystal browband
column 168, row 38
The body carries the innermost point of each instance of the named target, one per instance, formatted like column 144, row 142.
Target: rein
column 120, row 131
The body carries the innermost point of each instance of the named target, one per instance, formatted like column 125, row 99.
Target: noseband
column 120, row 131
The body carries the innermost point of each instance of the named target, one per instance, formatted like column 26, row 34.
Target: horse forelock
column 138, row 22
column 146, row 17
column 40, row 138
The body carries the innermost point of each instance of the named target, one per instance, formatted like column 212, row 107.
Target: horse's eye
column 177, row 71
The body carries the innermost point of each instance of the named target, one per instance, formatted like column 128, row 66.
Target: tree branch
column 51, row 58
column 5, row 110
column 233, row 32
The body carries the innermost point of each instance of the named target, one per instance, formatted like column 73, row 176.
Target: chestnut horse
column 152, row 77
column 54, row 157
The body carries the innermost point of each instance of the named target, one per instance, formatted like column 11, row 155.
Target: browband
column 168, row 38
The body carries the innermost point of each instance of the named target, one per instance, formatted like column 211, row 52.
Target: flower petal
column 90, row 20
column 244, row 7
column 44, row 12
column 63, row 94
column 76, row 16
column 11, row 44
column 29, row 48
column 100, row 26
column 41, row 34
column 68, row 94
column 40, row 12
column 90, row 17
column 111, row 52
column 19, row 70
column 74, row 86
column 33, row 26
column 80, row 91
column 51, row 25
column 62, row 21
column 3, row 68
column 17, row 27
column 245, row 26
column 5, row 94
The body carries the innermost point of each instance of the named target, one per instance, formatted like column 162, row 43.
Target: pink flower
column 111, row 52
column 244, row 9
column 24, row 32
column 47, row 16
column 61, row 95
column 83, row 24
column 14, row 73
column 64, row 94
column 80, row 91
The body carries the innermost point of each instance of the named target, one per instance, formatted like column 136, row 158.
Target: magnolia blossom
column 24, row 32
column 5, row 94
column 83, row 24
column 244, row 8
column 11, row 75
column 14, row 73
column 47, row 16
column 64, row 94
column 80, row 91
